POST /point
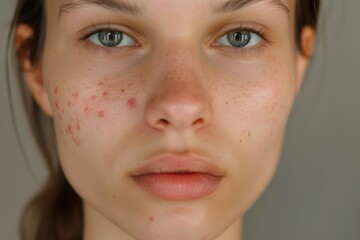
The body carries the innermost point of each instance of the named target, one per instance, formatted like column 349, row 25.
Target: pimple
column 131, row 103
column 78, row 126
column 68, row 103
column 86, row 109
column 57, row 104
column 93, row 97
column 69, row 130
column 105, row 94
column 101, row 114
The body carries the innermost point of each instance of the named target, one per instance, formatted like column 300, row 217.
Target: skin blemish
column 78, row 126
column 151, row 219
column 101, row 83
column 76, row 94
column 56, row 90
column 86, row 109
column 70, row 130
column 131, row 103
column 57, row 104
column 101, row 114
column 68, row 103
column 105, row 94
column 249, row 134
column 122, row 90
column 93, row 97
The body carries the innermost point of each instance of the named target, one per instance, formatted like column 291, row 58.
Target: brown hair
column 55, row 212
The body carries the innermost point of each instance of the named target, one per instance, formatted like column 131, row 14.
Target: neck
column 97, row 227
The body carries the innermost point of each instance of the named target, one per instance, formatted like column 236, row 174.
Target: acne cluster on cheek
column 94, row 103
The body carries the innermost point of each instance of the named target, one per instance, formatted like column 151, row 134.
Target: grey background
column 316, row 191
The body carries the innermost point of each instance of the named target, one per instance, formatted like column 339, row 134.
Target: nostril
column 198, row 122
column 163, row 122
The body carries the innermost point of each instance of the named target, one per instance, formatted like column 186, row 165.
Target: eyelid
column 96, row 28
column 259, row 29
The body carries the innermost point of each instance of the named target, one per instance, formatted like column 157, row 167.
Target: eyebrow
column 234, row 5
column 133, row 9
column 117, row 5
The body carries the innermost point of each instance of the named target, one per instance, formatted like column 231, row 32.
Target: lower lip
column 178, row 186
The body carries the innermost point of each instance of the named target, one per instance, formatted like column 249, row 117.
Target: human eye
column 111, row 38
column 242, row 37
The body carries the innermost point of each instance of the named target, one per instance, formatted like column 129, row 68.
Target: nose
column 179, row 101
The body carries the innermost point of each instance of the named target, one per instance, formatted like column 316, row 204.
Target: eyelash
column 258, row 30
column 253, row 50
column 99, row 28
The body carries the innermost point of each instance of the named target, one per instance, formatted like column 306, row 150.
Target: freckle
column 240, row 140
column 151, row 219
column 249, row 134
column 101, row 114
column 122, row 90
column 114, row 196
column 131, row 103
column 101, row 83
column 76, row 94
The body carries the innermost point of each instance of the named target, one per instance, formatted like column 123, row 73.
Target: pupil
column 239, row 39
column 110, row 39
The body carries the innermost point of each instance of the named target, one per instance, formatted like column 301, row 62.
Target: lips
column 175, row 177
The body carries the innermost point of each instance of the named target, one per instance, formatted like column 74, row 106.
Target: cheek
column 82, row 110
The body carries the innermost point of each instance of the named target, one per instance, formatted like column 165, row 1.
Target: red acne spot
column 101, row 114
column 105, row 94
column 86, row 109
column 93, row 97
column 131, row 103
column 76, row 140
column 57, row 104
column 68, row 103
column 70, row 130
column 78, row 126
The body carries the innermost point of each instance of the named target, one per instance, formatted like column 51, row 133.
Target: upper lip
column 178, row 163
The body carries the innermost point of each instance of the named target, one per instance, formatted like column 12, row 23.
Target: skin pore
column 174, row 86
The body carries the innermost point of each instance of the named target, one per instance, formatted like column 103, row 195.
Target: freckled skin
column 174, row 93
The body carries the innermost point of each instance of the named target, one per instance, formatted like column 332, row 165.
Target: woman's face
column 169, row 115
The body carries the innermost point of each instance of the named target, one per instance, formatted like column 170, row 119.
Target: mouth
column 178, row 178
